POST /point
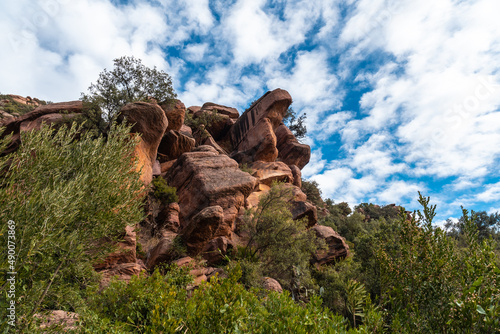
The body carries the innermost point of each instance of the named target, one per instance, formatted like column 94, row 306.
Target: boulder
column 337, row 247
column 258, row 144
column 204, row 138
column 253, row 135
column 205, row 178
column 290, row 151
column 62, row 320
column 253, row 199
column 269, row 172
column 215, row 249
column 193, row 109
column 220, row 109
column 13, row 125
column 202, row 228
column 163, row 251
column 175, row 112
column 123, row 272
column 186, row 130
column 297, row 176
column 173, row 144
column 169, row 218
column 125, row 251
column 301, row 209
column 217, row 125
column 150, row 122
column 271, row 284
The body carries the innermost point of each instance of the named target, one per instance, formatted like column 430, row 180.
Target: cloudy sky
column 401, row 96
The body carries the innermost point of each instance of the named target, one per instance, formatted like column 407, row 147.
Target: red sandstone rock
column 337, row 247
column 13, row 125
column 173, row 144
column 206, row 178
column 271, row 284
column 290, row 150
column 150, row 121
column 269, row 172
column 125, row 252
column 175, row 112
column 202, row 228
column 123, row 272
column 215, row 249
column 253, row 135
column 297, row 176
column 220, row 109
column 162, row 252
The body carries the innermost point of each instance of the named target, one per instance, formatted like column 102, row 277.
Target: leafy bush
column 163, row 191
column 283, row 245
column 64, row 195
column 159, row 304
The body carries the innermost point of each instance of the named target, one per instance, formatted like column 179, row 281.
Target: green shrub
column 163, row 191
column 282, row 245
column 64, row 195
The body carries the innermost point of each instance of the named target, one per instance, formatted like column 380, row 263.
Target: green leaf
column 480, row 310
column 478, row 282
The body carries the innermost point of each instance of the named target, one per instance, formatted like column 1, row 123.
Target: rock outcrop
column 252, row 135
column 290, row 150
column 337, row 247
column 150, row 121
column 202, row 227
column 173, row 144
column 175, row 112
column 205, row 178
column 53, row 114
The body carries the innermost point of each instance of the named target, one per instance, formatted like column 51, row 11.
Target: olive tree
column 129, row 81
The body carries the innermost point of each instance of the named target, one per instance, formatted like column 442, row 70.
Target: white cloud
column 397, row 191
column 443, row 95
column 196, row 52
column 315, row 166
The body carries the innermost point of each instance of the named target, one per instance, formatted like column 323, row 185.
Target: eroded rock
column 337, row 247
column 253, row 134
column 201, row 228
column 206, row 178
column 150, row 121
column 290, row 151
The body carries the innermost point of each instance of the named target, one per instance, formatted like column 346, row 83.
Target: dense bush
column 163, row 191
column 283, row 246
column 64, row 195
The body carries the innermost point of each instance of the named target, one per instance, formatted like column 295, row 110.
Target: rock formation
column 150, row 122
column 219, row 169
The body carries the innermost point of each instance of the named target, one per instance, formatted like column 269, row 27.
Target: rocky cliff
column 220, row 163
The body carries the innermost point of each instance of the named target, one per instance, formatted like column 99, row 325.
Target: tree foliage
column 295, row 124
column 129, row 81
column 64, row 195
column 283, row 245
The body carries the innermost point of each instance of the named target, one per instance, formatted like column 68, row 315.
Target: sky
column 401, row 96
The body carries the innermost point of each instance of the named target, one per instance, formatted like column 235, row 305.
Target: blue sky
column 400, row 95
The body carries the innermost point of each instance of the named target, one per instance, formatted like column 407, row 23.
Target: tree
column 63, row 196
column 129, row 81
column 296, row 125
column 311, row 189
column 283, row 245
